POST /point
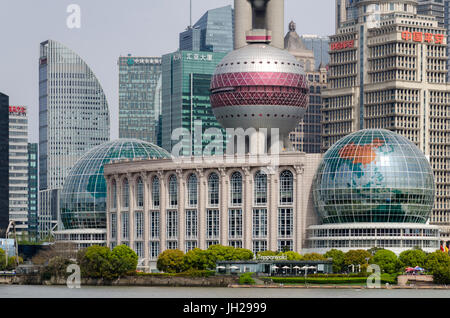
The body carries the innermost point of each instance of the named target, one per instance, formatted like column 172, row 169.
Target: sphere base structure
column 397, row 237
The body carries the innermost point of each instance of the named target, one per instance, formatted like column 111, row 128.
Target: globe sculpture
column 374, row 176
column 83, row 197
column 259, row 86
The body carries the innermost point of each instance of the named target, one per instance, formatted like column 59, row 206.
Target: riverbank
column 308, row 286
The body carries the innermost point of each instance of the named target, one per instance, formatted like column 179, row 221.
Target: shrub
column 95, row 262
column 434, row 261
column 338, row 259
column 56, row 267
column 412, row 258
column 246, row 279
column 441, row 275
column 387, row 260
column 124, row 260
column 314, row 257
column 357, row 257
column 171, row 261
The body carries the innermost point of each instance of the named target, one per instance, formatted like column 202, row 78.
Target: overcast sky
column 109, row 29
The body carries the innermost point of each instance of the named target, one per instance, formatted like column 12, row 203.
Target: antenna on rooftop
column 190, row 14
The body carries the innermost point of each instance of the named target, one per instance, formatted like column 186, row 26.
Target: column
column 181, row 178
column 162, row 213
column 272, row 217
column 108, row 209
column 147, row 182
column 300, row 218
column 223, row 207
column 247, row 209
column 119, row 209
column 201, row 209
column 131, row 205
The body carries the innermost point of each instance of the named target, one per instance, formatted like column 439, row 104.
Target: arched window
column 114, row 194
column 155, row 192
column 236, row 189
column 260, row 188
column 173, row 191
column 140, row 193
column 213, row 189
column 286, row 188
column 125, row 194
column 192, row 189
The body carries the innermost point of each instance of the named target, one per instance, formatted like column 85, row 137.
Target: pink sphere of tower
column 260, row 86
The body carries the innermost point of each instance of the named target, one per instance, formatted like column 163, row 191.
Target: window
column 260, row 188
column 172, row 245
column 192, row 188
column 259, row 246
column 213, row 189
column 259, row 223
column 190, row 245
column 235, row 244
column 154, row 250
column 286, row 188
column 125, row 226
column 285, row 223
column 125, row 194
column 235, row 223
column 236, row 189
column 114, row 195
column 155, row 192
column 173, row 191
column 191, row 224
column 140, row 193
column 285, row 246
column 154, row 224
column 139, row 249
column 212, row 224
column 139, row 225
column 172, row 224
column 113, row 226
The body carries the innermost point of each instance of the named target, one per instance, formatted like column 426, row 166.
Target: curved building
column 374, row 188
column 83, row 197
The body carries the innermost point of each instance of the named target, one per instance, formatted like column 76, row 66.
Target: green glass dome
column 374, row 175
column 83, row 197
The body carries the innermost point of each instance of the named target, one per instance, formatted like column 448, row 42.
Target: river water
column 21, row 291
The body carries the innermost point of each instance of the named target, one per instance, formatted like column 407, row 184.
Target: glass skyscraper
column 33, row 189
column 139, row 102
column 320, row 46
column 186, row 78
column 213, row 32
column 73, row 118
column 4, row 163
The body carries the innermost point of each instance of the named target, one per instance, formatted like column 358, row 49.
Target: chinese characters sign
column 423, row 37
column 17, row 109
column 342, row 45
column 194, row 56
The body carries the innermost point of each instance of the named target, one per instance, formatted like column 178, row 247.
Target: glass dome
column 83, row 197
column 374, row 176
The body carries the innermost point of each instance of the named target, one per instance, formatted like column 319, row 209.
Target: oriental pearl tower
column 260, row 85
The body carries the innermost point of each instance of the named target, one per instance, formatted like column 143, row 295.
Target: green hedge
column 329, row 280
column 189, row 273
column 246, row 279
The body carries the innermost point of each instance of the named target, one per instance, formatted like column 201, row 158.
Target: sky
column 109, row 29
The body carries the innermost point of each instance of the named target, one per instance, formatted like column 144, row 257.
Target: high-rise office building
column 307, row 135
column 186, row 79
column 432, row 7
column 138, row 102
column 33, row 189
column 4, row 164
column 388, row 70
column 213, row 32
column 319, row 45
column 18, row 168
column 73, row 117
column 447, row 27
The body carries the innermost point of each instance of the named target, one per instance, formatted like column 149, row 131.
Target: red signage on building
column 423, row 37
column 342, row 45
column 17, row 109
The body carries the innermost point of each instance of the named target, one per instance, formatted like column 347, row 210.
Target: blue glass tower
column 4, row 163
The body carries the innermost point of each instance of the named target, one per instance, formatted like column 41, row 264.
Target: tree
column 338, row 259
column 412, row 258
column 229, row 253
column 57, row 266
column 313, row 257
column 441, row 275
column 124, row 260
column 199, row 259
column 387, row 260
column 357, row 257
column 95, row 262
column 171, row 261
column 292, row 256
column 434, row 261
column 242, row 254
column 267, row 253
column 374, row 250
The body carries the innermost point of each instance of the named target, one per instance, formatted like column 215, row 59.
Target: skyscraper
column 447, row 27
column 432, row 7
column 320, row 46
column 18, row 168
column 33, row 189
column 73, row 116
column 213, row 32
column 388, row 70
column 138, row 105
column 4, row 163
column 186, row 78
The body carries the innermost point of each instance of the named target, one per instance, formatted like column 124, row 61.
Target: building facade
column 434, row 8
column 73, row 117
column 320, row 45
column 139, row 106
column 154, row 205
column 307, row 135
column 388, row 70
column 18, row 168
column 4, row 164
column 186, row 79
column 33, row 190
column 213, row 32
